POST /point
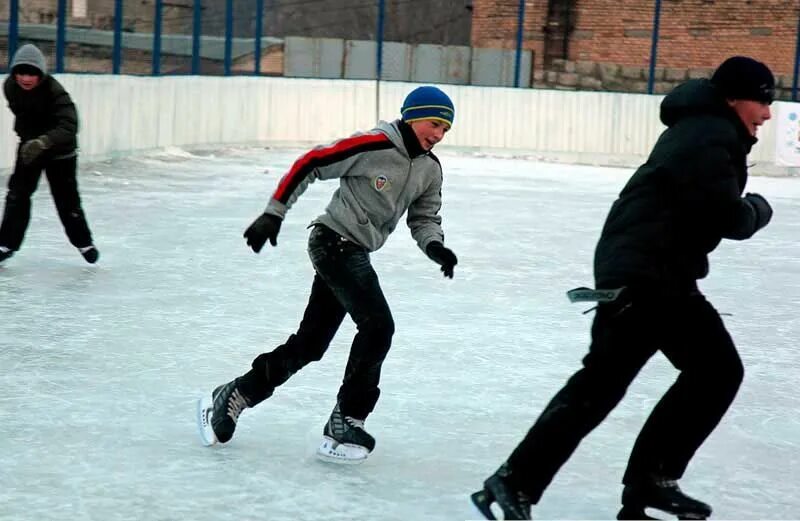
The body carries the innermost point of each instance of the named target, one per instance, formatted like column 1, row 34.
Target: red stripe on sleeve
column 323, row 156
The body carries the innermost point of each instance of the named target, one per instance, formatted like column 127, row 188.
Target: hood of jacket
column 29, row 54
column 698, row 98
column 392, row 130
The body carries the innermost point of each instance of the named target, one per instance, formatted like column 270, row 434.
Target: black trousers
column 625, row 334
column 62, row 178
column 344, row 283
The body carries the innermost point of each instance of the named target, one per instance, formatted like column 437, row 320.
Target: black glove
column 265, row 227
column 761, row 207
column 443, row 257
column 33, row 148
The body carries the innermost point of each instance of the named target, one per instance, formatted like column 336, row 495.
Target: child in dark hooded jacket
column 46, row 122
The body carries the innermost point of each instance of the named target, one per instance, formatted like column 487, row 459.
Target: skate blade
column 205, row 406
column 683, row 515
column 641, row 513
column 634, row 513
column 341, row 453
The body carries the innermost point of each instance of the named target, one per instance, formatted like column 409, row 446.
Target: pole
column 61, row 24
column 379, row 57
column 520, row 30
column 654, row 48
column 796, row 61
column 259, row 30
column 157, row 38
column 13, row 29
column 116, row 57
column 228, row 36
column 197, row 20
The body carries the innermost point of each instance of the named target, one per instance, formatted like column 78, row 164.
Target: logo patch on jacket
column 381, row 183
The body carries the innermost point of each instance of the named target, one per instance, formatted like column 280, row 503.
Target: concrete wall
column 356, row 59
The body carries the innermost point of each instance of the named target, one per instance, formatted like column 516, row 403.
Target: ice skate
column 496, row 489
column 660, row 494
column 5, row 253
column 344, row 440
column 90, row 253
column 217, row 414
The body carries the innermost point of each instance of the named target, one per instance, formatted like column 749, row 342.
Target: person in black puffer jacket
column 46, row 122
column 671, row 214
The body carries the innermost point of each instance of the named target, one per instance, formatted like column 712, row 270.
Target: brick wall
column 693, row 33
column 495, row 23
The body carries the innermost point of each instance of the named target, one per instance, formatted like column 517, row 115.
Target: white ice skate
column 344, row 440
column 217, row 414
column 205, row 411
column 332, row 451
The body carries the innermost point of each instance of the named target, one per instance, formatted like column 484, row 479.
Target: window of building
column 79, row 8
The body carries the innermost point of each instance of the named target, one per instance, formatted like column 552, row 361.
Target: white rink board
column 121, row 115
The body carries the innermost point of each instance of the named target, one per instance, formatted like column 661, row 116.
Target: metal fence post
column 197, row 20
column 379, row 57
column 654, row 48
column 796, row 60
column 259, row 30
column 61, row 24
column 157, row 38
column 116, row 57
column 13, row 29
column 228, row 37
column 520, row 31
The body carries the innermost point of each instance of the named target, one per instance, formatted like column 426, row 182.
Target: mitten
column 33, row 148
column 265, row 227
column 761, row 207
column 443, row 257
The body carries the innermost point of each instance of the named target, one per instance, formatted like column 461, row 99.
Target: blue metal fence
column 255, row 16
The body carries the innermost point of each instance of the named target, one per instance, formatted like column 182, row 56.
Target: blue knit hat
column 427, row 103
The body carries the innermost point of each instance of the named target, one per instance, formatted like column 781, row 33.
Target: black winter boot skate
column 345, row 440
column 514, row 503
column 217, row 417
column 5, row 253
column 90, row 253
column 662, row 494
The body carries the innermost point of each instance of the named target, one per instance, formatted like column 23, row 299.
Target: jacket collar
column 410, row 140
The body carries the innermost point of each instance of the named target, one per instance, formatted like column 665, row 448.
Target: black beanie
column 740, row 77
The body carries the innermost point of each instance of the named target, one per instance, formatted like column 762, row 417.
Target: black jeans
column 625, row 334
column 344, row 283
column 62, row 178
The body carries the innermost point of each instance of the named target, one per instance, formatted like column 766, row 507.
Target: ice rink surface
column 100, row 365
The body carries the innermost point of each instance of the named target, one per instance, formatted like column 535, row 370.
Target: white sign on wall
column 787, row 134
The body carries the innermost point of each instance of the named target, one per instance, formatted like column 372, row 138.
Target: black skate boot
column 5, row 253
column 217, row 417
column 345, row 440
column 90, row 253
column 661, row 494
column 496, row 489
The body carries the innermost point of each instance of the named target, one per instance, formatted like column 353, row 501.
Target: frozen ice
column 100, row 365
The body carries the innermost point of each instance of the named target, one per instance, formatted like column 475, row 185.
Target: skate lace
column 236, row 404
column 667, row 483
column 524, row 502
column 354, row 422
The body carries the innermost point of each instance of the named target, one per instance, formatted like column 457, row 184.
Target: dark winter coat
column 45, row 110
column 678, row 205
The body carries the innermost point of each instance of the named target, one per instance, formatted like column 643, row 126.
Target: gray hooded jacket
column 378, row 182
